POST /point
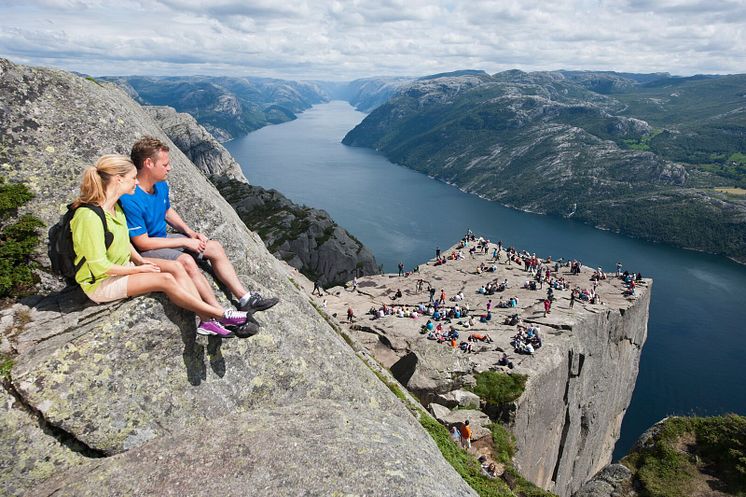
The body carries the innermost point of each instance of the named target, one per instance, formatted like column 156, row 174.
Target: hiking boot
column 233, row 318
column 212, row 327
column 249, row 329
column 256, row 303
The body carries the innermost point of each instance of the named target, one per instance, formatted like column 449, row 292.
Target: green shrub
column 499, row 388
column 18, row 240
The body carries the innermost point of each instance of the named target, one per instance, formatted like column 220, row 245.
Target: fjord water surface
column 693, row 360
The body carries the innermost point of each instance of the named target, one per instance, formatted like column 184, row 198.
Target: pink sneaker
column 212, row 327
column 233, row 318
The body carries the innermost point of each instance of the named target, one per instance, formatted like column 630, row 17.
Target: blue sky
column 342, row 40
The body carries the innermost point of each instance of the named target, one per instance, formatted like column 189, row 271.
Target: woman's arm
column 142, row 266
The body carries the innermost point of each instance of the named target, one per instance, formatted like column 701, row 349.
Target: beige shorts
column 111, row 289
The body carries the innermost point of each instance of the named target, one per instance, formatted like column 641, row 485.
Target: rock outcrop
column 290, row 411
column 580, row 381
column 306, row 238
column 692, row 456
column 196, row 143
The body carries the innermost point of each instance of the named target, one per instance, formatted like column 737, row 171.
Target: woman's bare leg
column 179, row 273
column 142, row 283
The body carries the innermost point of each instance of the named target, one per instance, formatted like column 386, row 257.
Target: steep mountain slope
column 226, row 107
column 545, row 143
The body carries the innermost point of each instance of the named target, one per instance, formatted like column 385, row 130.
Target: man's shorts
column 111, row 289
column 170, row 254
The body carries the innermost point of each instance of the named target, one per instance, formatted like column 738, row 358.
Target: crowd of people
column 451, row 320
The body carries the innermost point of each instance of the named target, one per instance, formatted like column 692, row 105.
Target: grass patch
column 498, row 388
column 504, row 443
column 669, row 466
column 465, row 464
column 736, row 192
column 6, row 365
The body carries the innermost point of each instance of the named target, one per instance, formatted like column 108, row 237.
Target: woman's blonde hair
column 96, row 178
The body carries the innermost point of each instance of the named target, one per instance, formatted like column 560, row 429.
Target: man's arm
column 174, row 219
column 144, row 243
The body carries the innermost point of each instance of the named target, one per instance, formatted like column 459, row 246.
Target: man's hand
column 194, row 245
column 198, row 236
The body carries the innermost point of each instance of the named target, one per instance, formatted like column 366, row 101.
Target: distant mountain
column 640, row 154
column 368, row 93
column 227, row 107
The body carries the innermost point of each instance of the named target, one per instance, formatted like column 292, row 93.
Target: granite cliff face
column 125, row 398
column 568, row 420
column 546, row 143
column 308, row 239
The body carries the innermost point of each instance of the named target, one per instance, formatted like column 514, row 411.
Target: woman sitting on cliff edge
column 118, row 272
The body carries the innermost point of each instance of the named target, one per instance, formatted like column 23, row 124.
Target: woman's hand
column 147, row 267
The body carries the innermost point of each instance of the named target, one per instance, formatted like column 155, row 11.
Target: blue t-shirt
column 146, row 212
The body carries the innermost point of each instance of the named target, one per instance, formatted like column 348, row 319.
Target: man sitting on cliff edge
column 149, row 209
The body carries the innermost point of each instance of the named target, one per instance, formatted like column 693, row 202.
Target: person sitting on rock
column 118, row 271
column 148, row 211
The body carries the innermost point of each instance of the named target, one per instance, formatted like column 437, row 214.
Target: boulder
column 615, row 480
column 29, row 454
column 459, row 398
column 133, row 374
column 439, row 412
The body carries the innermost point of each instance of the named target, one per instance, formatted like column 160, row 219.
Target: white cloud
column 357, row 38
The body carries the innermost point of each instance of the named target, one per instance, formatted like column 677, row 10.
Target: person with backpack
column 108, row 268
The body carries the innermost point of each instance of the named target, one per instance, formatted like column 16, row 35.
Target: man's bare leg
column 200, row 282
column 223, row 268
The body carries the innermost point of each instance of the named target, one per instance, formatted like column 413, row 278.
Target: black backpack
column 61, row 252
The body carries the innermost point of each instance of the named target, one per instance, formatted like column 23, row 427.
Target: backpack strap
column 108, row 235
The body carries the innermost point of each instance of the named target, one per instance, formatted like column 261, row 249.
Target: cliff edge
column 579, row 383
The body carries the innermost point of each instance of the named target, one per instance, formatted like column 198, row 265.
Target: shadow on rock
column 217, row 361
column 194, row 352
column 69, row 300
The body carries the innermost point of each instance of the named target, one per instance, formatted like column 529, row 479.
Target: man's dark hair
column 146, row 147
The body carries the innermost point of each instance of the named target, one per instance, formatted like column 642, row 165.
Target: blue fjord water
column 693, row 360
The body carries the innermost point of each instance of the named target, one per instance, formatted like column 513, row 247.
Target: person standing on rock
column 317, row 287
column 547, row 307
column 466, row 435
column 148, row 211
column 401, row 268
